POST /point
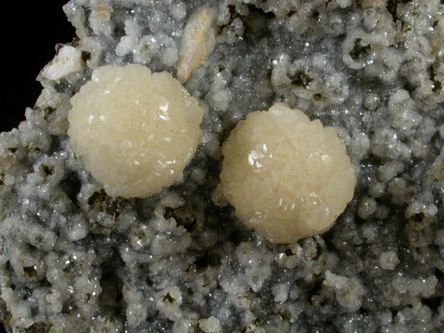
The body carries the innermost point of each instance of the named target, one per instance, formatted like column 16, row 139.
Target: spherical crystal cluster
column 135, row 130
column 288, row 177
column 77, row 255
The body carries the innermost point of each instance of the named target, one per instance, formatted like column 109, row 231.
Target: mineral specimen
column 135, row 130
column 287, row 177
column 198, row 40
column 75, row 259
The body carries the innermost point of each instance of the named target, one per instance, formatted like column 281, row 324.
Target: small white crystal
column 68, row 60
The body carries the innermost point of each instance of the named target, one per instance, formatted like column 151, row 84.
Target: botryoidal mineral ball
column 134, row 130
column 286, row 176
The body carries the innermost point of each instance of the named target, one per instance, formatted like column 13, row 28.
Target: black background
column 30, row 32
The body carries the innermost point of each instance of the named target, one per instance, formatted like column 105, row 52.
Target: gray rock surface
column 75, row 260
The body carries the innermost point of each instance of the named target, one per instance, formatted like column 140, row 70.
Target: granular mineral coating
column 75, row 259
column 287, row 177
column 134, row 130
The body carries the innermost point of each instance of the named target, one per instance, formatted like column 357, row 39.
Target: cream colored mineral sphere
column 134, row 130
column 286, row 176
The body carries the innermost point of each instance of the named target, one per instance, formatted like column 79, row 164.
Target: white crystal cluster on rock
column 68, row 60
column 198, row 40
column 135, row 130
column 287, row 177
column 73, row 258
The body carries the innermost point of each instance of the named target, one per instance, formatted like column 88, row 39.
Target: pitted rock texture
column 75, row 259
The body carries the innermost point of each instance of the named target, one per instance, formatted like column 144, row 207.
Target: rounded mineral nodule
column 286, row 176
column 134, row 130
